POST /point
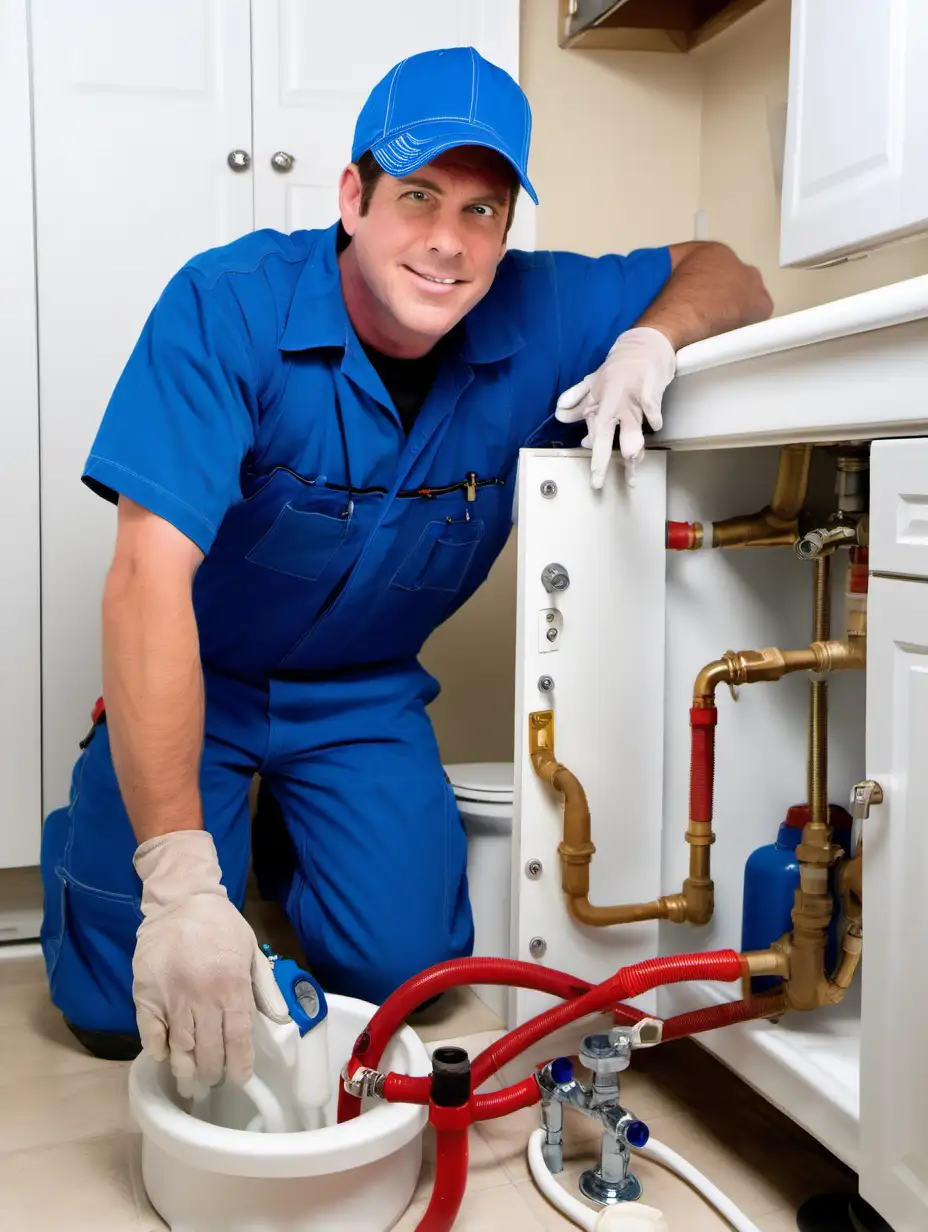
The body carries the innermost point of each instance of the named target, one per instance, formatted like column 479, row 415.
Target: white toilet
column 484, row 794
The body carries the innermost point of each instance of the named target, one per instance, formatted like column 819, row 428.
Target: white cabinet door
column 20, row 736
column 894, row 1059
column 607, row 667
column 899, row 504
column 136, row 109
column 314, row 65
column 856, row 171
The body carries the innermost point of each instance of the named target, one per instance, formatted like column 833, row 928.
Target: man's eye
column 417, row 194
column 484, row 211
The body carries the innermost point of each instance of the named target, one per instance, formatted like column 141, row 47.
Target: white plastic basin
column 356, row 1177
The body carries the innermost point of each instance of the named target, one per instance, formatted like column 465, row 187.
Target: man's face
column 427, row 249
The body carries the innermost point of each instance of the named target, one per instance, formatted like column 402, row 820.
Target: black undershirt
column 407, row 381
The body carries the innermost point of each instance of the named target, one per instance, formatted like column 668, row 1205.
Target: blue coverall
column 250, row 418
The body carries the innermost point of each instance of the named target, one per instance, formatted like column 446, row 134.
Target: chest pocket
column 441, row 557
column 301, row 542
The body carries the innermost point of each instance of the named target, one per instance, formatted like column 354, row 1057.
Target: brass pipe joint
column 771, row 663
column 777, row 524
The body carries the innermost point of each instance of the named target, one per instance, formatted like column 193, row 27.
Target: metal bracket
column 364, row 1083
column 541, row 732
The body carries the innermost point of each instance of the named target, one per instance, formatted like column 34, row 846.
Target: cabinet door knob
column 239, row 160
column 282, row 161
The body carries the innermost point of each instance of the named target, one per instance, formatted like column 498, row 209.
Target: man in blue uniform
column 313, row 449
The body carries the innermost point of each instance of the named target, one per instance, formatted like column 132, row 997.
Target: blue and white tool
column 303, row 1043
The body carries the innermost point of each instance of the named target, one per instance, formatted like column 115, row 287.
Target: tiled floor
column 69, row 1153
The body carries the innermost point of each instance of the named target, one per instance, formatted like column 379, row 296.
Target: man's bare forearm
column 709, row 292
column 153, row 689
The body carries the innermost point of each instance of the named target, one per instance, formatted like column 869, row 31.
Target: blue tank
column 771, row 879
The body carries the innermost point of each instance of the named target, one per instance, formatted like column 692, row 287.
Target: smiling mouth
column 440, row 282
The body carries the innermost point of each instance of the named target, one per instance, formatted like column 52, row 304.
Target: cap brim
column 405, row 153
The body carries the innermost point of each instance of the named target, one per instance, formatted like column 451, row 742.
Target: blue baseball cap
column 437, row 100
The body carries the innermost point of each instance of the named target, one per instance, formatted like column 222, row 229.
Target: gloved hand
column 625, row 389
column 198, row 972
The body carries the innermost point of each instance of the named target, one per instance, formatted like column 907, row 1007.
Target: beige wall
column 615, row 160
column 745, row 72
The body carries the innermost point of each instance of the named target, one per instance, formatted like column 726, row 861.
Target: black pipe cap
column 450, row 1077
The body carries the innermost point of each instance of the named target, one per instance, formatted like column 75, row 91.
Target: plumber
column 312, row 449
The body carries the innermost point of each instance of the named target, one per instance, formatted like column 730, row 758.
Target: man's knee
column 375, row 975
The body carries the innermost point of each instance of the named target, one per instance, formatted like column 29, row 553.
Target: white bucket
column 356, row 1177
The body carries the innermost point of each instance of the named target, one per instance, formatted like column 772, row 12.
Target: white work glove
column 198, row 971
column 627, row 388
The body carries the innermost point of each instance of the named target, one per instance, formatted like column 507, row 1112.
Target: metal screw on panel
column 533, row 870
column 538, row 947
column 550, row 618
column 554, row 577
column 549, row 489
column 551, row 635
column 282, row 161
column 239, row 160
column 545, row 684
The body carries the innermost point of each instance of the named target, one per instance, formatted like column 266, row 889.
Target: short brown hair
column 370, row 172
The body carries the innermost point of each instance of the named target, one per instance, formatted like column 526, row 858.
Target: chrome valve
column 605, row 1055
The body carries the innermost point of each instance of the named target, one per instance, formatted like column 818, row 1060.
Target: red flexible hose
column 500, row 1103
column 452, row 1124
column 720, row 1016
column 450, row 1181
column 725, row 965
column 370, row 1044
column 710, row 1019
column 628, row 982
column 401, row 1089
column 703, row 720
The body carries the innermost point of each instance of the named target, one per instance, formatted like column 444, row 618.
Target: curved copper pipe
column 577, row 850
column 695, row 902
column 777, row 524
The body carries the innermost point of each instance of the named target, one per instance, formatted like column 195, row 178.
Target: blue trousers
column 375, row 884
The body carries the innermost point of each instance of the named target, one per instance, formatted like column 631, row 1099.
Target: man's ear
column 349, row 198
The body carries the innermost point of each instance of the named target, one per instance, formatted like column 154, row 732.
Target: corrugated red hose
column 703, row 720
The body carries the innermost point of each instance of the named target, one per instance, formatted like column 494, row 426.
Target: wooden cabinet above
column 647, row 25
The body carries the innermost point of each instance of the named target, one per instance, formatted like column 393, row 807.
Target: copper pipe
column 695, row 902
column 576, row 849
column 809, row 985
column 851, row 948
column 777, row 524
column 772, row 962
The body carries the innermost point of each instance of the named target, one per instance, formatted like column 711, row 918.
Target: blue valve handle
column 303, row 994
column 637, row 1134
column 562, row 1069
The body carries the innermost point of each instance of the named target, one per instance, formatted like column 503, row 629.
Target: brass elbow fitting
column 576, row 849
column 777, row 524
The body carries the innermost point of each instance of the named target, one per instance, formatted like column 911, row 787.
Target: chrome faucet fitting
column 605, row 1055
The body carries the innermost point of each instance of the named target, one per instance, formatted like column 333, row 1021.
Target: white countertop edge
column 880, row 308
column 722, row 433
